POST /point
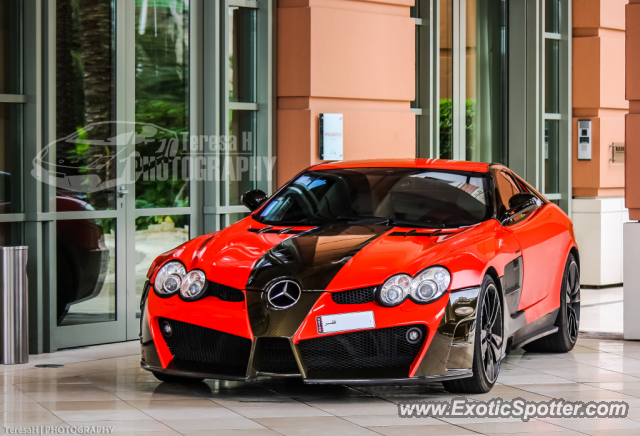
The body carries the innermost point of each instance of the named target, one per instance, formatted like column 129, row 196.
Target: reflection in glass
column 10, row 234
column 552, row 76
column 485, row 80
column 84, row 96
column 154, row 236
column 242, row 54
column 10, row 157
column 551, row 156
column 239, row 162
column 86, row 271
column 552, row 16
column 233, row 218
column 10, row 47
column 446, row 79
column 162, row 99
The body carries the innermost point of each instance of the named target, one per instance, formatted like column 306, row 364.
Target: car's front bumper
column 245, row 340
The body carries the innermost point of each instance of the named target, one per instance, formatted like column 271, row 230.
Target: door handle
column 123, row 191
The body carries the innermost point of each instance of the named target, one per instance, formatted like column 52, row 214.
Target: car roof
column 439, row 164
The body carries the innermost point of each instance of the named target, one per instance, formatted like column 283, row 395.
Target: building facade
column 130, row 126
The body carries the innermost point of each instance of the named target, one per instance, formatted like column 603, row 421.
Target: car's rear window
column 403, row 196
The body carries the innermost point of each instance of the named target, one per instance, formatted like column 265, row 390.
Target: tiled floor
column 105, row 386
column 601, row 310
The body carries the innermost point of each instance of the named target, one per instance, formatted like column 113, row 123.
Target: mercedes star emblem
column 283, row 294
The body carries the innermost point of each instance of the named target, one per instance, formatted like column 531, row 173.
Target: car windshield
column 398, row 196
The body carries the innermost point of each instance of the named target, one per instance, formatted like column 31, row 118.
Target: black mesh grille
column 276, row 356
column 222, row 352
column 355, row 296
column 225, row 293
column 367, row 349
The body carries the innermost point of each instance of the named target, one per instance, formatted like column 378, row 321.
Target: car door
column 535, row 241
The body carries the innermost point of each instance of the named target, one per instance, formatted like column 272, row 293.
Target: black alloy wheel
column 573, row 302
column 568, row 319
column 488, row 345
column 491, row 333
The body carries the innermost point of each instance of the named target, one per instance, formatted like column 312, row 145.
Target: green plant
column 446, row 127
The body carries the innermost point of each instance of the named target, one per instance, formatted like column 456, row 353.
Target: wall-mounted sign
column 617, row 152
column 330, row 136
column 584, row 139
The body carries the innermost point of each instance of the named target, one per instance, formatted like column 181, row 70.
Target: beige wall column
column 599, row 96
column 351, row 57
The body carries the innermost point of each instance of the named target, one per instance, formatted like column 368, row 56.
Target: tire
column 487, row 352
column 176, row 378
column 568, row 320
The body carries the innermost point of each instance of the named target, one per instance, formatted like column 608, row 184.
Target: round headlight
column 193, row 285
column 169, row 278
column 430, row 284
column 395, row 290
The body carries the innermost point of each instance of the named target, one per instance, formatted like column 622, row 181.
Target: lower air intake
column 200, row 349
column 355, row 296
column 379, row 349
column 276, row 356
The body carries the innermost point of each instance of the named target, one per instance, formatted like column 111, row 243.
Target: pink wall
column 599, row 93
column 355, row 57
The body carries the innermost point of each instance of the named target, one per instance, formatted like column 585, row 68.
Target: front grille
column 221, row 352
column 225, row 293
column 276, row 356
column 355, row 296
column 367, row 349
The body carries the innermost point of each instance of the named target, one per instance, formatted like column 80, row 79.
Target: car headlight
column 193, row 285
column 169, row 279
column 395, row 290
column 430, row 284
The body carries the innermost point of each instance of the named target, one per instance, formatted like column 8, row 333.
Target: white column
column 632, row 280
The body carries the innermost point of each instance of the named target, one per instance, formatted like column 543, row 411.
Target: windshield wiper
column 409, row 223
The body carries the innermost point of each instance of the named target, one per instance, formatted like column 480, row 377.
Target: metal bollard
column 13, row 305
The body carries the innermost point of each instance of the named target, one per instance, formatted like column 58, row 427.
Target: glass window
column 86, row 270
column 11, row 47
column 162, row 103
column 485, row 80
column 10, row 157
column 551, row 155
column 552, row 16
column 446, row 79
column 552, row 76
column 239, row 163
column 242, row 54
column 233, row 218
column 11, row 234
column 400, row 196
column 154, row 236
column 507, row 188
column 84, row 163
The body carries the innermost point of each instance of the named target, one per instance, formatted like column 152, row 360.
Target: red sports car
column 380, row 271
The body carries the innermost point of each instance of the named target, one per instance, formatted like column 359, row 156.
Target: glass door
column 161, row 205
column 83, row 169
column 122, row 164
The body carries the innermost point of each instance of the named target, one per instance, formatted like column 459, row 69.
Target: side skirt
column 541, row 327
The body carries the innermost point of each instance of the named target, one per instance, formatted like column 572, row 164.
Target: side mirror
column 253, row 199
column 521, row 203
